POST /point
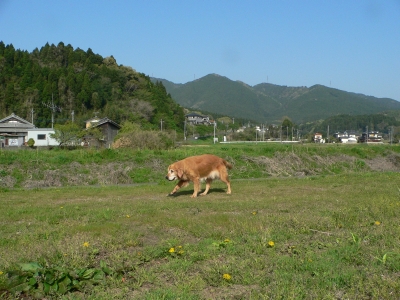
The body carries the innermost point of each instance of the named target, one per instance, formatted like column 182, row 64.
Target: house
column 318, row 138
column 195, row 119
column 14, row 131
column 347, row 137
column 108, row 128
column 370, row 137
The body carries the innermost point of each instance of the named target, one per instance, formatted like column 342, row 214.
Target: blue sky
column 352, row 45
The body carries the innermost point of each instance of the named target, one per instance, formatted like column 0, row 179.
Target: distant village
column 16, row 132
column 346, row 137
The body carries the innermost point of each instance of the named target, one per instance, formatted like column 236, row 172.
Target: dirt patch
column 7, row 181
column 389, row 163
column 292, row 164
column 76, row 174
column 234, row 291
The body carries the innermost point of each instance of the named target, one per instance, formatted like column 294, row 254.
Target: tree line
column 74, row 84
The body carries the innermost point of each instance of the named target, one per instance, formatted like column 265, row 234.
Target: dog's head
column 174, row 172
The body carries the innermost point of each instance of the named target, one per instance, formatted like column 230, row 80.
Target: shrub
column 141, row 140
column 31, row 142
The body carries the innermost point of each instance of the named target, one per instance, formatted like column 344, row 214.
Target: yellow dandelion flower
column 181, row 252
column 1, row 273
column 226, row 276
column 271, row 244
column 180, row 247
column 171, row 250
column 85, row 244
column 128, row 216
column 377, row 223
column 227, row 240
column 62, row 207
column 254, row 212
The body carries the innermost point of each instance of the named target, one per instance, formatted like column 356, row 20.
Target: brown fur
column 195, row 168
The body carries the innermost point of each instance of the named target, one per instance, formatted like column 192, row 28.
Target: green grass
column 42, row 168
column 319, row 237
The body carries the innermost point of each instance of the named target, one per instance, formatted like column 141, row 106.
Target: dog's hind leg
column 208, row 184
column 225, row 178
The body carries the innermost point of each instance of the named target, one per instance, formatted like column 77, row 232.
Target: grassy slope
column 326, row 242
column 36, row 169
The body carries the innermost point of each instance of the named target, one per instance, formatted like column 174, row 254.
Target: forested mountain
column 270, row 103
column 81, row 84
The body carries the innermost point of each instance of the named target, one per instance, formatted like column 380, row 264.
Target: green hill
column 270, row 103
column 83, row 83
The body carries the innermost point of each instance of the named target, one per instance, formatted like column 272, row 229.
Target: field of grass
column 314, row 237
column 56, row 168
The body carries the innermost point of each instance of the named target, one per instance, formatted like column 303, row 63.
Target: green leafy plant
column 36, row 279
column 222, row 244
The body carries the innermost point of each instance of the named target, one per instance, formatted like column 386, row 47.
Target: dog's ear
column 179, row 172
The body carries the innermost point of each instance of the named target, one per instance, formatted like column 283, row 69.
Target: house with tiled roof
column 16, row 131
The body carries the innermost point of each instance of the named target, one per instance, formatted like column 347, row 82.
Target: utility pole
column 391, row 135
column 161, row 124
column 72, row 113
column 287, row 133
column 263, row 132
column 215, row 125
column 184, row 130
column 328, row 134
column 256, row 134
column 53, row 108
column 32, row 111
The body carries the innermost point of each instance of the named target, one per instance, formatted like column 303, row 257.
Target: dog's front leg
column 180, row 184
column 196, row 183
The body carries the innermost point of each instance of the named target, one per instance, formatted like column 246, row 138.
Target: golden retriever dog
column 201, row 167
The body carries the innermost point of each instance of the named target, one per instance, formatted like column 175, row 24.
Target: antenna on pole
column 54, row 108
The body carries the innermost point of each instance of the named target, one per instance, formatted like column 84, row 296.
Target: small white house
column 41, row 136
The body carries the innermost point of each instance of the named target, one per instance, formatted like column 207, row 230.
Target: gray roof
column 98, row 122
column 107, row 120
column 15, row 123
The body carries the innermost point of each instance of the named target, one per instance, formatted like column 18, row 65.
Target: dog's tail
column 227, row 164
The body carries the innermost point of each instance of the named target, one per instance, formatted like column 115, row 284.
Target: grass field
column 316, row 237
column 58, row 168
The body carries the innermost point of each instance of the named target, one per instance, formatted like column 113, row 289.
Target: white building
column 16, row 132
column 42, row 137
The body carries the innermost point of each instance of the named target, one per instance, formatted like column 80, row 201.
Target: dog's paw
column 171, row 195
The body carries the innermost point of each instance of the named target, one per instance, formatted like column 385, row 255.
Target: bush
column 140, row 139
column 31, row 142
